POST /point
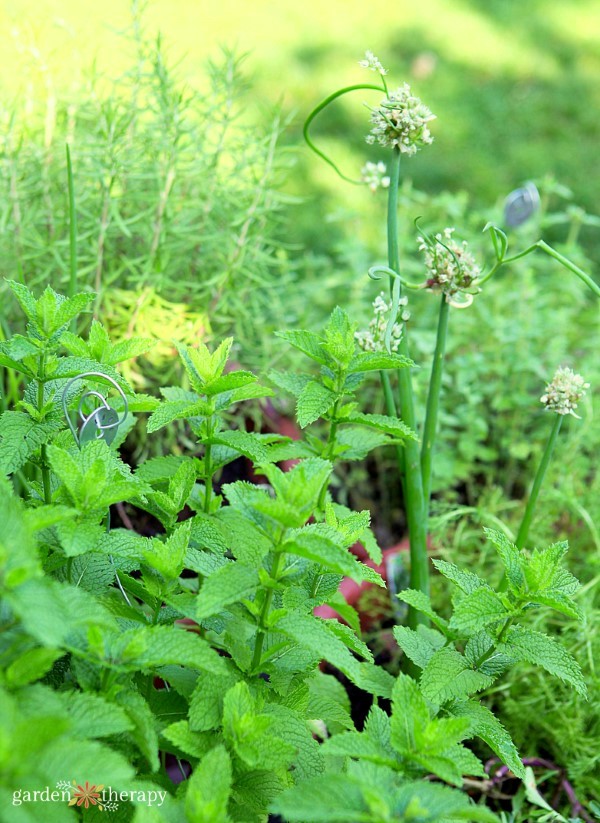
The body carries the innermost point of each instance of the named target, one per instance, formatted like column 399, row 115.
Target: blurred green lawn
column 514, row 83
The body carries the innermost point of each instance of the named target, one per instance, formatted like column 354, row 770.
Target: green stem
column 416, row 514
column 541, row 244
column 208, row 469
column 537, row 483
column 330, row 446
column 571, row 266
column 72, row 235
column 264, row 614
column 390, row 407
column 433, row 399
column 43, row 451
column 486, row 655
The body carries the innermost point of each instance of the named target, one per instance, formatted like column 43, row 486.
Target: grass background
column 514, row 84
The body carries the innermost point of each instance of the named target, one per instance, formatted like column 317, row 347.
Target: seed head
column 374, row 175
column 401, row 122
column 373, row 339
column 372, row 63
column 451, row 268
column 564, row 392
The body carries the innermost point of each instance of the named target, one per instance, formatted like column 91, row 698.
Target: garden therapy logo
column 87, row 795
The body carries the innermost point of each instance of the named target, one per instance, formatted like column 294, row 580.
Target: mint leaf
column 313, row 402
column 209, row 788
column 448, row 675
column 535, row 647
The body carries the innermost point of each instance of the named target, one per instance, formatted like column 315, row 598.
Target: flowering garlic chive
column 372, row 63
column 374, row 338
column 401, row 122
column 451, row 268
column 564, row 392
column 374, row 175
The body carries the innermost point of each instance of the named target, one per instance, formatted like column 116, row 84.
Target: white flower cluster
column 374, row 338
column 451, row 268
column 401, row 122
column 372, row 63
column 564, row 392
column 374, row 175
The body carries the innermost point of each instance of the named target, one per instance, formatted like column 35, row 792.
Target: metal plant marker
column 520, row 205
column 101, row 423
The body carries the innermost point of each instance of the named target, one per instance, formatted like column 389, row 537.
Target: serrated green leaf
column 376, row 361
column 172, row 410
column 510, row 556
column 159, row 469
column 486, row 725
column 228, row 382
column 245, row 443
column 535, row 647
column 448, row 675
column 319, row 548
column 250, row 732
column 316, row 635
column 25, row 299
column 354, row 744
column 306, row 341
column 339, row 337
column 289, row 381
column 227, row 585
column 143, row 730
column 206, row 703
column 332, row 798
column 466, row 581
column 20, row 437
column 355, row 442
column 419, row 646
column 146, row 648
column 422, row 602
column 93, row 716
column 383, row 423
column 31, row 666
column 313, row 402
column 328, row 701
column 481, row 608
column 410, row 715
column 194, row 744
column 209, row 788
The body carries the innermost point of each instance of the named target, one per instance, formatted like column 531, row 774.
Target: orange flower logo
column 87, row 796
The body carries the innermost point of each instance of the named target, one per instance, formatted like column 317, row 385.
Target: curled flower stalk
column 562, row 395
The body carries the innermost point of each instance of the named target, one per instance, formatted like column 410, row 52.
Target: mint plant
column 486, row 634
column 199, row 644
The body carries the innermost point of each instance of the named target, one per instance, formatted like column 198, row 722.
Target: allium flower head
column 374, row 338
column 374, row 175
column 372, row 63
column 401, row 122
column 564, row 392
column 451, row 268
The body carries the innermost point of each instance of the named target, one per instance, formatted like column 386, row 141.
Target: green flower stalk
column 562, row 395
column 401, row 123
column 412, row 480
